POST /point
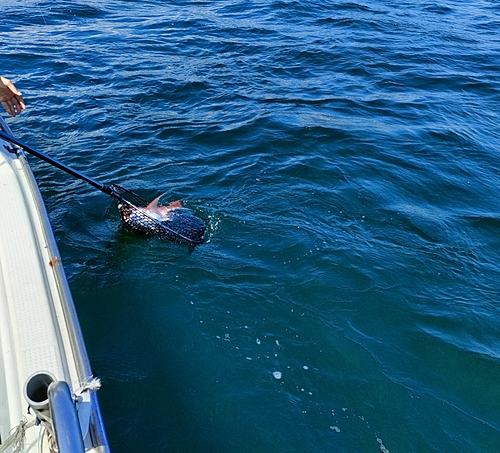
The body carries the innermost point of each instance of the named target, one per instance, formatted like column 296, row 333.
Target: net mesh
column 181, row 226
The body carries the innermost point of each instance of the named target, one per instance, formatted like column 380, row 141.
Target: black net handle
column 56, row 163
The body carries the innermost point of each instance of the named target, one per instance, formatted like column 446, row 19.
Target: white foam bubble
column 277, row 374
column 382, row 446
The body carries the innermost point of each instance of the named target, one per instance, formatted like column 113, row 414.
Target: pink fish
column 161, row 212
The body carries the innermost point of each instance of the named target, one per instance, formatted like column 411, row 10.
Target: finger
column 16, row 105
column 21, row 102
column 8, row 107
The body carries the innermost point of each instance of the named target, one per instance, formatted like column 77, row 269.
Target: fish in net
column 172, row 222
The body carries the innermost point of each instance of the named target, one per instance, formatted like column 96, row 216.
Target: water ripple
column 345, row 158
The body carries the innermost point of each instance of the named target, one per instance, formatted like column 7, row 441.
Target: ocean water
column 345, row 158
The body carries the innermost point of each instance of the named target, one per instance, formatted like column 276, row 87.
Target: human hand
column 10, row 97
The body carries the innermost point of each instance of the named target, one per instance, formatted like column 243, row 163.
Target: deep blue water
column 345, row 158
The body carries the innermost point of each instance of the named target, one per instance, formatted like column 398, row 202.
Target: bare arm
column 10, row 97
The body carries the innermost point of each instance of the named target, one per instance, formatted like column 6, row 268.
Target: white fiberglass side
column 39, row 330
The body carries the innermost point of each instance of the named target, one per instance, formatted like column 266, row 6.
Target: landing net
column 182, row 226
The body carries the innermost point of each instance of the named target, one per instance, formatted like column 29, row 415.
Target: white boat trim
column 39, row 328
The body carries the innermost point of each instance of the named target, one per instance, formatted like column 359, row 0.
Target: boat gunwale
column 80, row 356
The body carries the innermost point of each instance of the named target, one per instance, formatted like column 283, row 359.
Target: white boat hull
column 39, row 330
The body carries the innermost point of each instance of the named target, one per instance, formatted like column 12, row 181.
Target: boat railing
column 55, row 408
column 65, row 419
